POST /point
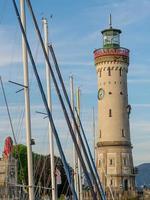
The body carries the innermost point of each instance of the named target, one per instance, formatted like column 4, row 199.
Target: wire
column 10, row 120
column 45, row 100
column 11, row 124
column 78, row 132
column 63, row 107
column 90, row 155
column 20, row 125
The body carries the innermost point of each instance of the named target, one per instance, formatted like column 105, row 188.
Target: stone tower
column 114, row 149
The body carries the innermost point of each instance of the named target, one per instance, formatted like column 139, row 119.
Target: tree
column 41, row 166
column 20, row 153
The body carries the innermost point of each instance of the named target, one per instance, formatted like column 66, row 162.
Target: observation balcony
column 104, row 52
column 112, row 55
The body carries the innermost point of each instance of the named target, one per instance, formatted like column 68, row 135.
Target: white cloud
column 123, row 12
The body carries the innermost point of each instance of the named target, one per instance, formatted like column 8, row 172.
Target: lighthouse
column 114, row 149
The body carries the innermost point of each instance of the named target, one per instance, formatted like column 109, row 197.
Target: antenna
column 110, row 21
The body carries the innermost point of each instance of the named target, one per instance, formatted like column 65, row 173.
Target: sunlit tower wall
column 114, row 150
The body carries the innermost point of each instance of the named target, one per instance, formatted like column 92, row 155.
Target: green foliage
column 41, row 166
column 20, row 153
column 62, row 197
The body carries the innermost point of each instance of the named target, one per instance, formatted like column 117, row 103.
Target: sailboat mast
column 75, row 164
column 79, row 164
column 94, row 138
column 27, row 105
column 51, row 140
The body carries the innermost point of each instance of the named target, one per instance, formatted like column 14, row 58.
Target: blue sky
column 75, row 33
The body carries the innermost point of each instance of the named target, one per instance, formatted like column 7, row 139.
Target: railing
column 112, row 51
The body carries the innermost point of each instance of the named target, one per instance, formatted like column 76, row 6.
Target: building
column 8, row 172
column 114, row 148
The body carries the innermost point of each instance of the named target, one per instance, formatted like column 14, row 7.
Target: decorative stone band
column 101, row 68
column 111, row 55
column 114, row 143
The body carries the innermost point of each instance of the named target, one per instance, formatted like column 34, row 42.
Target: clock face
column 101, row 94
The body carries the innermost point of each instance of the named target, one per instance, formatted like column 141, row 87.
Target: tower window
column 124, row 161
column 110, row 113
column 111, row 182
column 100, row 73
column 111, row 162
column 120, row 72
column 99, row 163
column 100, row 133
column 110, row 93
column 109, row 71
column 121, row 93
column 123, row 133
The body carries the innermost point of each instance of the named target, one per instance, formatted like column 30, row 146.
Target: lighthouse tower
column 114, row 149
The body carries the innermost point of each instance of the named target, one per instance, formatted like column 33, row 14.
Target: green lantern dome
column 111, row 37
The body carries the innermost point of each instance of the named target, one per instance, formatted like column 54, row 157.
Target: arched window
column 99, row 163
column 100, row 133
column 111, row 182
column 123, row 132
column 125, row 162
column 109, row 71
column 120, row 72
column 110, row 113
column 110, row 162
column 100, row 73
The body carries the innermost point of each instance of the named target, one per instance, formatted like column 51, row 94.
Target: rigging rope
column 62, row 103
column 11, row 125
column 75, row 123
column 10, row 120
column 90, row 155
column 45, row 102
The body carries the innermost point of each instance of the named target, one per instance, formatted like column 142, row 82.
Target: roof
column 111, row 29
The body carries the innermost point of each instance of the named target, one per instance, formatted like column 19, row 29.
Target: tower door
column 126, row 184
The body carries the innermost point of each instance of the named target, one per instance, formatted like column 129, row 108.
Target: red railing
column 109, row 52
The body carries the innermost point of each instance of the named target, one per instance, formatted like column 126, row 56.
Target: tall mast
column 93, row 113
column 27, row 106
column 79, row 165
column 75, row 164
column 51, row 140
